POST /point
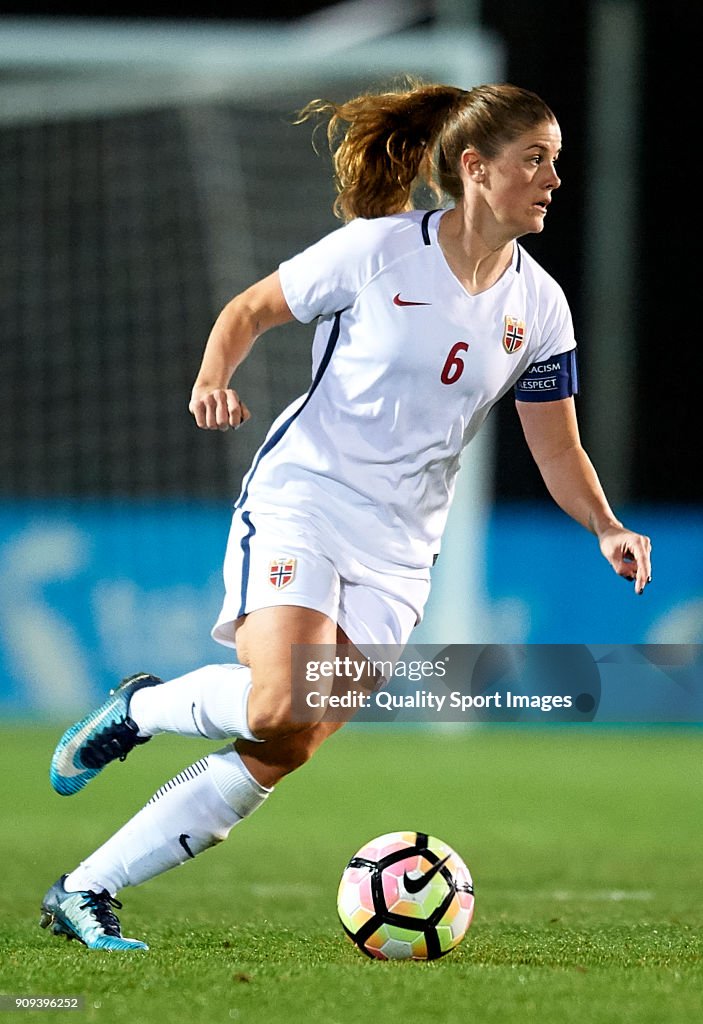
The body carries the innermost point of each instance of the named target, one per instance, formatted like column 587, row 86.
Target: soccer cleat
column 86, row 916
column 102, row 736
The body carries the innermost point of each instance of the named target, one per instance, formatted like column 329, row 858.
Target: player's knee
column 273, row 718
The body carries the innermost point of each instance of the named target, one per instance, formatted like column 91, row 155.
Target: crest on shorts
column 513, row 335
column 281, row 572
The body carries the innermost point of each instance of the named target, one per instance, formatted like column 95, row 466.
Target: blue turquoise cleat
column 86, row 916
column 104, row 735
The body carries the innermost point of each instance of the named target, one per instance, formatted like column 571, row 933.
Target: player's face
column 520, row 180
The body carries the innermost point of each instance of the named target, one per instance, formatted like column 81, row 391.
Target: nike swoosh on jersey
column 70, row 770
column 397, row 301
column 413, row 885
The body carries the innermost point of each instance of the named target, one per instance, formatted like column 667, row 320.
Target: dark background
column 547, row 48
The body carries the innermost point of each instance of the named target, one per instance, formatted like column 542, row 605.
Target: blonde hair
column 385, row 145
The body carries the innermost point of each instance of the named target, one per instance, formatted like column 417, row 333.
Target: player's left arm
column 552, row 434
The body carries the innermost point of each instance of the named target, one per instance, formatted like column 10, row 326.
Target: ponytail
column 381, row 146
column 385, row 145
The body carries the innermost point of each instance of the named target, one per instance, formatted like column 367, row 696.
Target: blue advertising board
column 91, row 592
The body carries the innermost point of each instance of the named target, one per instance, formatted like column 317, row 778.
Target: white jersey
column 406, row 366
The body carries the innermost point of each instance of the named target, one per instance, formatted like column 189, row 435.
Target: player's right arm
column 213, row 403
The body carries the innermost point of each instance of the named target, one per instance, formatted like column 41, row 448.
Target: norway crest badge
column 513, row 335
column 281, row 572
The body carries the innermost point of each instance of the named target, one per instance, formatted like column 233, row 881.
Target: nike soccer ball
column 406, row 896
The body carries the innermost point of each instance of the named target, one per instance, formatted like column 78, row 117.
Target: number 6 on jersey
column 454, row 366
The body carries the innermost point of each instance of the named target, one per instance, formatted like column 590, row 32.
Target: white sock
column 193, row 811
column 210, row 702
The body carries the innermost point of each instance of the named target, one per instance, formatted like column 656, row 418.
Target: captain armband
column 549, row 380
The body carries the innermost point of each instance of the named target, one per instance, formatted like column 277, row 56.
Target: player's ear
column 473, row 165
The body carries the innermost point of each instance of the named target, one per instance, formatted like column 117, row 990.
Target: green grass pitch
column 584, row 843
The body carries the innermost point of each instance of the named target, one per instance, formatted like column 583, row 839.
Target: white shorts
column 292, row 559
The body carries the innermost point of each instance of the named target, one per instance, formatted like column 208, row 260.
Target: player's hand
column 217, row 408
column 629, row 554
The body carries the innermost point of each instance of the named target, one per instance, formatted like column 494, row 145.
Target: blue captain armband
column 549, row 380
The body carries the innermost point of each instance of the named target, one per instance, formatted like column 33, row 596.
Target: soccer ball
column 406, row 896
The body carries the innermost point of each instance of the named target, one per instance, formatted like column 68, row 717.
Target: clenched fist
column 217, row 408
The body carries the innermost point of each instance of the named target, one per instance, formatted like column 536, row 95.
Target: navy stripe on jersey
column 549, row 380
column 276, row 437
column 426, row 227
column 518, row 262
column 246, row 560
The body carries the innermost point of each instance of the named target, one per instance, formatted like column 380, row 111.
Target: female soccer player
column 424, row 320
